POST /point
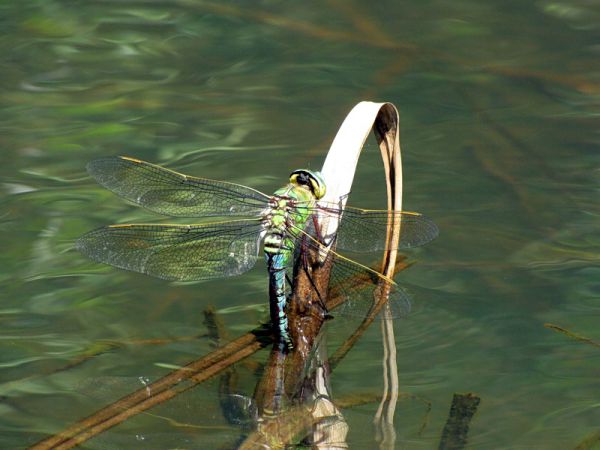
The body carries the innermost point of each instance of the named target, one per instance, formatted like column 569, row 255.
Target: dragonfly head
column 312, row 180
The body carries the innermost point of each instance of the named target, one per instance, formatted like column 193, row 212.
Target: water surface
column 499, row 108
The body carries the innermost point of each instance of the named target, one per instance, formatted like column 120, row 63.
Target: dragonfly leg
column 318, row 234
column 305, row 267
column 321, row 301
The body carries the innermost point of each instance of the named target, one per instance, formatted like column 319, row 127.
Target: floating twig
column 462, row 410
column 572, row 335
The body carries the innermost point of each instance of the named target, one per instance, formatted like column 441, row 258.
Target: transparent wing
column 167, row 192
column 353, row 286
column 360, row 288
column 176, row 252
column 363, row 230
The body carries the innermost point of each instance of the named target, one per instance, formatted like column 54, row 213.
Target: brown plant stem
column 349, row 343
column 161, row 390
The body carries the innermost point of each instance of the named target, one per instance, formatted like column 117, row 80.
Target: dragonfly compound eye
column 313, row 179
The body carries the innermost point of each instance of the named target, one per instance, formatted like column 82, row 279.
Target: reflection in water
column 384, row 418
column 296, row 403
column 292, row 403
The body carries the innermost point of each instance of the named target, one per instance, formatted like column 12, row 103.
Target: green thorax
column 291, row 208
column 293, row 202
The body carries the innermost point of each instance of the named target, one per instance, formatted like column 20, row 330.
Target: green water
column 499, row 105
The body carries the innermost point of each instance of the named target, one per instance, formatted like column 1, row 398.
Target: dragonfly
column 285, row 224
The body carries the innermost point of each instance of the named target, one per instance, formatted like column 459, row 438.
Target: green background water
column 499, row 121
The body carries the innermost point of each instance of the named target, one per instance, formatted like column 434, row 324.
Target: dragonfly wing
column 177, row 252
column 353, row 286
column 363, row 230
column 167, row 192
column 359, row 288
